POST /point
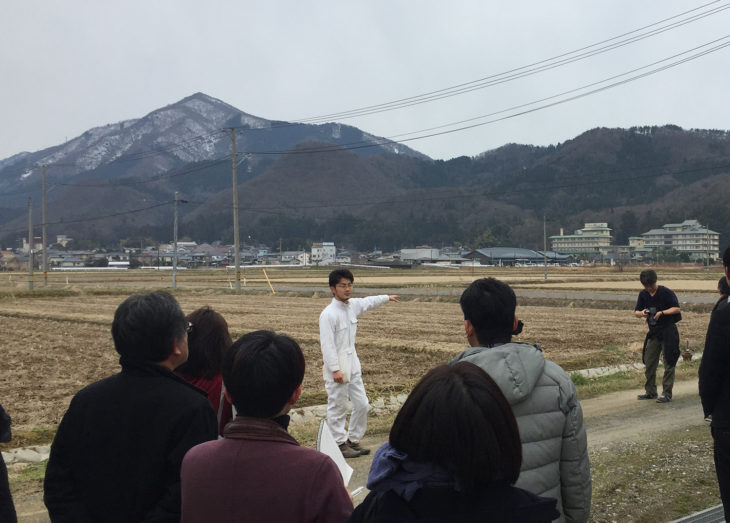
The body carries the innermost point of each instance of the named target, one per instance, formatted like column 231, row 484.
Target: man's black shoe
column 663, row 399
column 645, row 397
column 356, row 446
column 348, row 451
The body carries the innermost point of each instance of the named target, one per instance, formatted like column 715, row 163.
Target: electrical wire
column 516, row 73
column 94, row 218
column 512, row 74
column 169, row 174
column 390, row 140
column 720, row 43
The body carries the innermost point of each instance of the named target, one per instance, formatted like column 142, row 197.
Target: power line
column 717, row 48
column 488, row 81
column 390, row 141
column 516, row 73
column 169, row 174
column 95, row 218
column 720, row 44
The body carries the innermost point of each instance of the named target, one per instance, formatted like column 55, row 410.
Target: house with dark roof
column 511, row 256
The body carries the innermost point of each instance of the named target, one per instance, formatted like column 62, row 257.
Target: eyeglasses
column 344, row 285
column 189, row 328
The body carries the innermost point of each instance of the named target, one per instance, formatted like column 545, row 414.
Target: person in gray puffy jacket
column 543, row 398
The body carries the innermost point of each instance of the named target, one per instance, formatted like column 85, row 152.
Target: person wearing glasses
column 342, row 371
column 118, row 450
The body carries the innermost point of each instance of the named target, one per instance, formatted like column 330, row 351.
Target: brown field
column 56, row 339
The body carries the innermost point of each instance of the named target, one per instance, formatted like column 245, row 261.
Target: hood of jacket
column 515, row 367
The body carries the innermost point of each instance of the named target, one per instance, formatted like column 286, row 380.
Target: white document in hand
column 327, row 445
column 345, row 361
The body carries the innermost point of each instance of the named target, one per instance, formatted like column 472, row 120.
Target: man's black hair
column 146, row 326
column 261, row 371
column 338, row 274
column 208, row 341
column 489, row 305
column 726, row 257
column 647, row 277
column 457, row 417
column 723, row 287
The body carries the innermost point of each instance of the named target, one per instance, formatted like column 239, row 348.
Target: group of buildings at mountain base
column 687, row 241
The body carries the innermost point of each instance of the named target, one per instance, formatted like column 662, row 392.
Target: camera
column 650, row 312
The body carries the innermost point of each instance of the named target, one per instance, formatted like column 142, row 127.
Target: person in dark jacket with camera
column 660, row 307
column 714, row 383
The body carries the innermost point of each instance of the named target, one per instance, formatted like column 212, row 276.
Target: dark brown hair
column 456, row 417
column 647, row 277
column 208, row 341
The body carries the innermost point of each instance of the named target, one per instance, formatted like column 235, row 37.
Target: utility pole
column 45, row 241
column 707, row 247
column 236, row 243
column 544, row 246
column 174, row 246
column 30, row 244
column 174, row 236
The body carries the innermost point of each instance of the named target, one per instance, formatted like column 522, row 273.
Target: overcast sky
column 67, row 66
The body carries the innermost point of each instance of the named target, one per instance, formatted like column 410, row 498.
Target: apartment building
column 592, row 238
column 689, row 237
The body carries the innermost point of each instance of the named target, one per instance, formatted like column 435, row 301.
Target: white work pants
column 337, row 395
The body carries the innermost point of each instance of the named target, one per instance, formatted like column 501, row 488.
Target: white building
column 689, row 237
column 324, row 253
column 592, row 238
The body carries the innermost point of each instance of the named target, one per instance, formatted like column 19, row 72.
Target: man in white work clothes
column 341, row 370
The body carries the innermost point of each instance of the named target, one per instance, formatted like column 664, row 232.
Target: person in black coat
column 454, row 454
column 714, row 384
column 118, row 450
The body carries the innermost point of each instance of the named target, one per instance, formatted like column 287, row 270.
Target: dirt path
column 620, row 416
column 609, row 419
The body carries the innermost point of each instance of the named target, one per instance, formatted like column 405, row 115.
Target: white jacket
column 337, row 330
column 554, row 446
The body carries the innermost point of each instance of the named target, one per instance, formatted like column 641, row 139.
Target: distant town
column 687, row 242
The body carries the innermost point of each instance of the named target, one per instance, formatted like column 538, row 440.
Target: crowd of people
column 194, row 426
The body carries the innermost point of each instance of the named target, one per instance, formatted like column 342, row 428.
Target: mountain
column 635, row 179
column 300, row 183
column 190, row 136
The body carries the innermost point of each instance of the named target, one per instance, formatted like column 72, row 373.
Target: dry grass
column 56, row 340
